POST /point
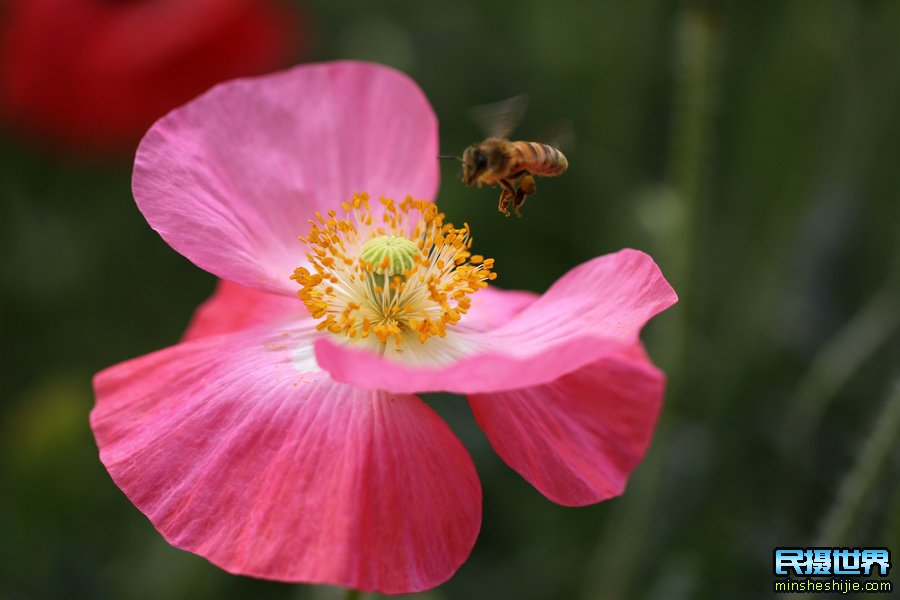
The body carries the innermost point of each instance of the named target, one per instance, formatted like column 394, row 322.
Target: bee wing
column 498, row 119
column 560, row 135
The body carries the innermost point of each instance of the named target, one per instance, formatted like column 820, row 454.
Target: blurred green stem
column 839, row 521
column 353, row 595
column 688, row 150
column 691, row 112
column 624, row 551
column 839, row 358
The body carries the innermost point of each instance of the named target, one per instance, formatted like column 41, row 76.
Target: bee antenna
column 449, row 156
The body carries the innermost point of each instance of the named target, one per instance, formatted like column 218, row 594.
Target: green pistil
column 390, row 254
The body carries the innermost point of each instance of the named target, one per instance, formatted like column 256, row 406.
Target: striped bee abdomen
column 541, row 159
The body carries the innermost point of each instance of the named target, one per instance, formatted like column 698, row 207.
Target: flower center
column 391, row 280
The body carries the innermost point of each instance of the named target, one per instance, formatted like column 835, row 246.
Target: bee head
column 474, row 162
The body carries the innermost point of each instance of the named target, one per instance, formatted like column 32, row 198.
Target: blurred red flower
column 95, row 74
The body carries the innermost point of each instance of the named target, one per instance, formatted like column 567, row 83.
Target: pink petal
column 492, row 307
column 595, row 310
column 230, row 179
column 233, row 307
column 239, row 454
column 577, row 439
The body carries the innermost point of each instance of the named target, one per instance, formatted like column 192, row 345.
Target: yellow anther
column 411, row 273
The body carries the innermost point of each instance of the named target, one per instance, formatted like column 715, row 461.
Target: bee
column 512, row 165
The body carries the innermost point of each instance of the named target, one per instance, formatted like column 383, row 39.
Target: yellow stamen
column 405, row 278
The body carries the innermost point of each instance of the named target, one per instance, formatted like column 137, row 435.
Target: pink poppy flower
column 282, row 438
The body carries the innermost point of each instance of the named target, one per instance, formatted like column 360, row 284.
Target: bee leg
column 527, row 187
column 506, row 196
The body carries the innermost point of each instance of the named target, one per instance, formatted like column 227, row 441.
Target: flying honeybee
column 512, row 165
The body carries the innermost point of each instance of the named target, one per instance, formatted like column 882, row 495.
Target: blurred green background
column 751, row 147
